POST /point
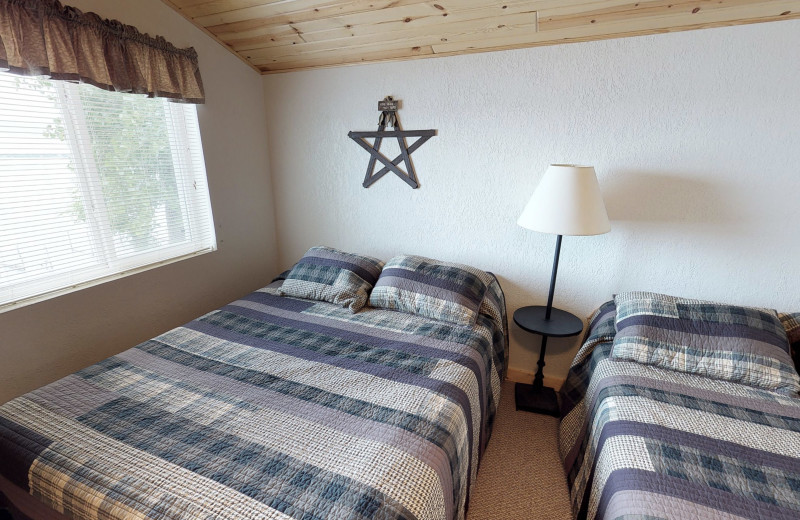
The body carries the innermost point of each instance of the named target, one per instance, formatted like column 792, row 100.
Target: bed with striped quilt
column 268, row 408
column 643, row 442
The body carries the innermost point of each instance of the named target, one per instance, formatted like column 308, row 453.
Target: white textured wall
column 51, row 339
column 695, row 137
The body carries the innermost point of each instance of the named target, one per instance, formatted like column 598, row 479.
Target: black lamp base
column 542, row 400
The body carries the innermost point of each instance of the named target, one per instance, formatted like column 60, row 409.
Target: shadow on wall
column 679, row 232
column 663, row 198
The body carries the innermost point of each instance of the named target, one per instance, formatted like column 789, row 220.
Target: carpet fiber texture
column 521, row 476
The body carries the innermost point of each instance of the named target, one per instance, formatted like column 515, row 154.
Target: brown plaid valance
column 43, row 37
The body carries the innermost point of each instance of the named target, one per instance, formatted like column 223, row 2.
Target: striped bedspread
column 268, row 408
column 643, row 442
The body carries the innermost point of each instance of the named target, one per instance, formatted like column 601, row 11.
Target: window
column 94, row 185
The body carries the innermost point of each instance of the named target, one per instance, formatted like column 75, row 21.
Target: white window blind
column 94, row 185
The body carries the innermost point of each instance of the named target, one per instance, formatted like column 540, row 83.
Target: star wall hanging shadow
column 388, row 108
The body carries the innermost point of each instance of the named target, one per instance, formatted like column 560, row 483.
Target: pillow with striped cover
column 439, row 290
column 329, row 275
column 740, row 344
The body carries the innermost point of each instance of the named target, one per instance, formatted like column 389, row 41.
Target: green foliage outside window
column 132, row 154
column 128, row 132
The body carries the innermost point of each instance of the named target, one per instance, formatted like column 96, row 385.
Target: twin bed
column 642, row 441
column 300, row 401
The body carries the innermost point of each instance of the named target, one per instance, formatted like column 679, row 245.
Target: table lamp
column 566, row 202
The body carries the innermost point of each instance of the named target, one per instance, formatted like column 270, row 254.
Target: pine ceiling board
column 435, row 13
column 566, row 8
column 340, row 24
column 344, row 7
column 473, row 31
column 400, row 54
column 209, row 8
column 571, row 36
column 304, row 15
column 262, row 10
column 282, row 35
column 375, row 17
column 189, row 3
column 657, row 24
column 278, row 36
column 667, row 14
column 626, row 10
column 269, row 10
column 496, row 14
column 434, row 25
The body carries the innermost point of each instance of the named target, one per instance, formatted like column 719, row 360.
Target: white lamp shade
column 567, row 202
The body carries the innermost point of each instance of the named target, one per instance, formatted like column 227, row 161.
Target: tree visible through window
column 132, row 152
column 93, row 184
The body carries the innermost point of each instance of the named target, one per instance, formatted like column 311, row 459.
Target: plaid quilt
column 640, row 441
column 268, row 408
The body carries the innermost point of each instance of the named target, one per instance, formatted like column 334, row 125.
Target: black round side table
column 538, row 398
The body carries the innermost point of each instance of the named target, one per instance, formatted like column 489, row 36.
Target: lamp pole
column 538, row 379
column 553, row 279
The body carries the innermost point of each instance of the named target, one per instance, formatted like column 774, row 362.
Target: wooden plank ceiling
column 285, row 35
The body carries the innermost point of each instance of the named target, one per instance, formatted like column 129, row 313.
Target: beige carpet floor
column 520, row 477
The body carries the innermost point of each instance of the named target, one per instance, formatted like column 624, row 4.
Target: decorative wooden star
column 388, row 117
